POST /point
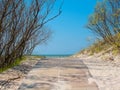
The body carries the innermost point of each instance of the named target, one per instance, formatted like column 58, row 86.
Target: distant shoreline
column 53, row 55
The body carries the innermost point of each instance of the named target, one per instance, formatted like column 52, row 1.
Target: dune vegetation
column 105, row 24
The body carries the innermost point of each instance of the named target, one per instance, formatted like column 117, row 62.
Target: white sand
column 105, row 73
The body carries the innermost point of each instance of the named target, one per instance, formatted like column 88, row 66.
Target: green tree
column 105, row 21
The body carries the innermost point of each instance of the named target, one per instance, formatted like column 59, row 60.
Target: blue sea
column 56, row 56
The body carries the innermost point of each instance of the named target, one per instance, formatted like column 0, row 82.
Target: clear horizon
column 69, row 32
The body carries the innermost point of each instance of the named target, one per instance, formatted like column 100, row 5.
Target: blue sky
column 69, row 31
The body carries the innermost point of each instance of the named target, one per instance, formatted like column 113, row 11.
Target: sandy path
column 58, row 74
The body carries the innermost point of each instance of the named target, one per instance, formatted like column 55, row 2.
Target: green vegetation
column 101, row 46
column 98, row 46
column 18, row 61
column 15, row 63
column 105, row 23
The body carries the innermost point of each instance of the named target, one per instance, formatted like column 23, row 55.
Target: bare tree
column 21, row 27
